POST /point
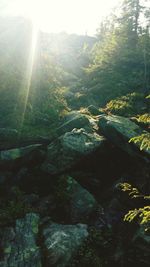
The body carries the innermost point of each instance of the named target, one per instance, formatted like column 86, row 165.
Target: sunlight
column 71, row 16
column 29, row 71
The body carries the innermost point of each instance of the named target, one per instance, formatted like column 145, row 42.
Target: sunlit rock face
column 62, row 242
column 19, row 244
column 70, row 148
column 94, row 110
column 77, row 121
column 119, row 130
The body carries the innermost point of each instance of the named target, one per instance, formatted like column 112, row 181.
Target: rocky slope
column 63, row 202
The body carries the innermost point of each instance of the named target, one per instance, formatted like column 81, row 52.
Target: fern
column 145, row 118
column 142, row 214
column 142, row 140
column 125, row 105
column 132, row 191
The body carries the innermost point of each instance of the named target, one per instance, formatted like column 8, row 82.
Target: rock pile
column 61, row 203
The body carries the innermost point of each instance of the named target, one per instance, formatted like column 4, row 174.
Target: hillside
column 75, row 143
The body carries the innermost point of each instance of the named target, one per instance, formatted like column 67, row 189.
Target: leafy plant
column 141, row 214
column 143, row 140
column 145, row 118
column 125, row 105
column 132, row 191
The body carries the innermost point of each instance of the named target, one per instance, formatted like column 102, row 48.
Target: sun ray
column 29, row 70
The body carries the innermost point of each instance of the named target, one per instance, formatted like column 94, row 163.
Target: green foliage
column 120, row 58
column 142, row 140
column 57, row 104
column 46, row 95
column 132, row 191
column 30, row 131
column 125, row 105
column 118, row 106
column 29, row 89
column 145, row 118
column 141, row 214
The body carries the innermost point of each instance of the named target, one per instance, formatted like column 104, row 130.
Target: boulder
column 83, row 204
column 119, row 131
column 18, row 244
column 69, row 149
column 71, row 115
column 62, row 242
column 27, row 154
column 93, row 110
column 75, row 120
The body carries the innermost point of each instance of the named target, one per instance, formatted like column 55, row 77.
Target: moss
column 35, row 227
column 13, row 207
column 95, row 251
column 7, row 250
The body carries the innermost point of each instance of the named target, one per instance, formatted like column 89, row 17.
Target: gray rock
column 69, row 149
column 16, row 153
column 76, row 120
column 120, row 130
column 71, row 115
column 82, row 202
column 93, row 110
column 62, row 242
column 23, row 154
column 19, row 244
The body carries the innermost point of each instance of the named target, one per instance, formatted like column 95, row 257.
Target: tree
column 121, row 61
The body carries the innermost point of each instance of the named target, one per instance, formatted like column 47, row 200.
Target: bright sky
column 71, row 16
